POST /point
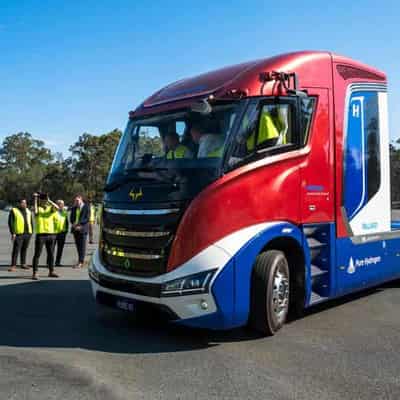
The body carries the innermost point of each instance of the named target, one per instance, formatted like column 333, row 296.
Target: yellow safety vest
column 180, row 152
column 45, row 220
column 19, row 223
column 60, row 221
column 267, row 131
column 92, row 216
column 216, row 153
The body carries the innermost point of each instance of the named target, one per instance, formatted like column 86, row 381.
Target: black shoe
column 59, row 265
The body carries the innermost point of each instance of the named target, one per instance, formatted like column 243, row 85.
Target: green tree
column 91, row 160
column 23, row 164
column 149, row 145
column 27, row 166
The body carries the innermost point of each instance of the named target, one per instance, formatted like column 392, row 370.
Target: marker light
column 191, row 284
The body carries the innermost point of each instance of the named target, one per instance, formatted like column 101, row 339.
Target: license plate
column 126, row 305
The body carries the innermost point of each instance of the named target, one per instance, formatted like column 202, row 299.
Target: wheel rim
column 280, row 293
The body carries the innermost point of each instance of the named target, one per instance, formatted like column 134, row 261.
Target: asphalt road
column 55, row 344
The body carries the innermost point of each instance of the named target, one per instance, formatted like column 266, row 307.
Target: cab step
column 314, row 243
column 315, row 271
column 316, row 298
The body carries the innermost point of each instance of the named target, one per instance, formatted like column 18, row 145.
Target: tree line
column 28, row 166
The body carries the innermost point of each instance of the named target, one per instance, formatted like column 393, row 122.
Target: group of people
column 49, row 221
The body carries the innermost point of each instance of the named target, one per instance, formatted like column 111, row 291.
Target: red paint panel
column 199, row 85
column 267, row 190
column 317, row 170
column 313, row 68
column 276, row 188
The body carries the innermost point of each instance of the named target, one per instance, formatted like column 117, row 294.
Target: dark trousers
column 80, row 242
column 20, row 246
column 60, row 242
column 40, row 241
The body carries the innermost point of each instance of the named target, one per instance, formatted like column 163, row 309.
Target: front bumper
column 213, row 309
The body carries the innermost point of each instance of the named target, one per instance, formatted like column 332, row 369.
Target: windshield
column 180, row 140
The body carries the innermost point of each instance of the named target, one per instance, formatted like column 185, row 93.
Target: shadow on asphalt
column 63, row 314
column 348, row 299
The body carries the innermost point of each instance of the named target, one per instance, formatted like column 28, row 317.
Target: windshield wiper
column 134, row 177
column 109, row 187
column 145, row 169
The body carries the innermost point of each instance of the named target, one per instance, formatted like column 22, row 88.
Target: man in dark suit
column 80, row 227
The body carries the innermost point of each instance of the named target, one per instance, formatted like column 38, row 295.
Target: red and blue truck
column 273, row 196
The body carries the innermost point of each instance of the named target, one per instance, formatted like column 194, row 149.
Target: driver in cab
column 174, row 149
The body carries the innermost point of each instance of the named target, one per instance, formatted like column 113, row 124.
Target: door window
column 271, row 126
column 362, row 152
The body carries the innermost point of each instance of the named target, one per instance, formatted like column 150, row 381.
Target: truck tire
column 270, row 292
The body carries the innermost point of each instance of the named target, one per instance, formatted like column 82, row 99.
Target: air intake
column 347, row 72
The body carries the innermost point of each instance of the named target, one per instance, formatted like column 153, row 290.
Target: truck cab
column 244, row 193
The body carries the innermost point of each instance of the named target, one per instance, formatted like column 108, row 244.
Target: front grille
column 138, row 244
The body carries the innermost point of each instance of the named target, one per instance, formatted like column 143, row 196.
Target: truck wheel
column 269, row 292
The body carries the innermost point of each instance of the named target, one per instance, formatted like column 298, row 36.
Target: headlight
column 191, row 284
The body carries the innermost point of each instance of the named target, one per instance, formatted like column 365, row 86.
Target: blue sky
column 69, row 67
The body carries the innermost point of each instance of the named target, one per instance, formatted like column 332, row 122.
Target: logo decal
column 136, row 195
column 351, row 268
column 362, row 263
column 356, row 111
column 370, row 225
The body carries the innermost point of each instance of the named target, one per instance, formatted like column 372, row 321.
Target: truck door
column 365, row 200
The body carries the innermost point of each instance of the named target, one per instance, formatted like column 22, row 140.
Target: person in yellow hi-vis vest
column 173, row 149
column 61, row 227
column 268, row 133
column 20, row 224
column 92, row 221
column 45, row 229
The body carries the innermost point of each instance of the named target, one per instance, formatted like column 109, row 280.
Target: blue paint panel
column 395, row 225
column 231, row 288
column 361, row 180
column 354, row 180
column 223, row 291
column 244, row 261
column 363, row 265
column 372, row 263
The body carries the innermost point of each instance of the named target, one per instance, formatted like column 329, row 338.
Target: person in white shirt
column 210, row 144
